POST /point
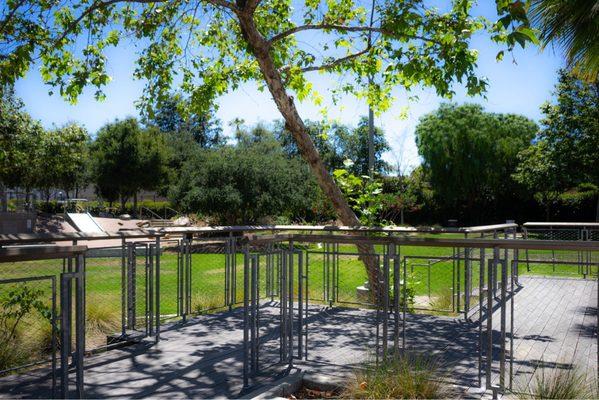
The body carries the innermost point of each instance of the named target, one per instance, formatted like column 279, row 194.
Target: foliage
column 399, row 376
column 246, row 182
column 127, row 159
column 565, row 154
column 571, row 25
column 540, row 174
column 16, row 304
column 400, row 195
column 570, row 126
column 410, row 44
column 363, row 194
column 470, row 155
column 172, row 116
column 62, row 159
column 20, row 138
column 338, row 142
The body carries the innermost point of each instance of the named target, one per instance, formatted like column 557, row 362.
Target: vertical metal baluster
column 290, row 316
column 123, row 286
column 53, row 322
column 385, row 304
column 503, row 316
column 512, row 309
column 79, row 323
column 246, row 321
column 394, row 256
column 481, row 284
column 405, row 303
column 65, row 328
column 300, row 305
column 157, row 283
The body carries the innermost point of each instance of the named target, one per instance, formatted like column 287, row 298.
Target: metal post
column 512, row 295
column 405, row 304
column 300, row 305
column 150, row 285
column 283, row 307
column 123, row 286
column 54, row 332
column 131, row 275
column 157, row 280
column 79, row 323
column 504, row 265
column 290, row 315
column 481, row 284
column 254, row 315
column 467, row 282
column 65, row 334
column 246, row 322
column 385, row 304
column 396, row 294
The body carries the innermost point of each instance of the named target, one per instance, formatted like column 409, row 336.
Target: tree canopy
column 566, row 154
column 245, row 182
column 471, row 154
column 127, row 159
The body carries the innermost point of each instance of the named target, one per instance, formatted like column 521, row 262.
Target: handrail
column 74, row 236
column 314, row 238
column 171, row 209
column 334, row 228
column 561, row 224
column 142, row 208
column 520, row 244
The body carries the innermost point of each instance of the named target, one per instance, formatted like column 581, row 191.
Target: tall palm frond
column 572, row 25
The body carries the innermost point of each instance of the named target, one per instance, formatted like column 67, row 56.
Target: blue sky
column 519, row 86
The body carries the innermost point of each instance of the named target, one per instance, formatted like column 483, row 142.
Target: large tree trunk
column 294, row 123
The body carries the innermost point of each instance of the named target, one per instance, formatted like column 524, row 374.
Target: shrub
column 401, row 376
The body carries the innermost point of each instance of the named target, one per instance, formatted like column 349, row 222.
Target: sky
column 518, row 84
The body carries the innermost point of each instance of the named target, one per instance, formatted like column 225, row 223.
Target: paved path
column 556, row 321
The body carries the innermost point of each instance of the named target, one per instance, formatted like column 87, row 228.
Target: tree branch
column 96, row 6
column 329, row 65
column 344, row 28
column 225, row 4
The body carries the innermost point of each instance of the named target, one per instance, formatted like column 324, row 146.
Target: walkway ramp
column 84, row 222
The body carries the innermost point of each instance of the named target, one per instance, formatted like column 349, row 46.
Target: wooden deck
column 555, row 325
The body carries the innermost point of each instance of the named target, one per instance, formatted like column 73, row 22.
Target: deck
column 555, row 325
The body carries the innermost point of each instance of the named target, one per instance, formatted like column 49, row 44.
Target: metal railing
column 160, row 275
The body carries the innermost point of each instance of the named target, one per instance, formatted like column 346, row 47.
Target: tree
column 353, row 145
column 62, row 159
column 173, row 116
column 246, row 182
column 20, row 138
column 471, row 154
column 338, row 143
column 538, row 172
column 127, row 159
column 572, row 25
column 570, row 131
column 254, row 40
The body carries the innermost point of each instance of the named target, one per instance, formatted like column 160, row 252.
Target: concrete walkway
column 556, row 322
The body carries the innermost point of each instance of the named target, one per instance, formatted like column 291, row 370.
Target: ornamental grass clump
column 559, row 383
column 404, row 376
